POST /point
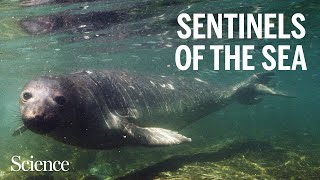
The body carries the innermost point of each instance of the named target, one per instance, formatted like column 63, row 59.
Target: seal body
column 107, row 109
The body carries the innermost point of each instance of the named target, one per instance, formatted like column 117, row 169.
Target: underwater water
column 275, row 139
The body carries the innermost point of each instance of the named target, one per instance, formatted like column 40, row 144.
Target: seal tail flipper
column 265, row 90
column 156, row 136
column 251, row 90
column 19, row 130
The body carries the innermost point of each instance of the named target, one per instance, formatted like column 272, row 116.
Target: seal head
column 42, row 102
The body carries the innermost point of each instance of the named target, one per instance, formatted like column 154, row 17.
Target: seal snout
column 39, row 125
column 39, row 121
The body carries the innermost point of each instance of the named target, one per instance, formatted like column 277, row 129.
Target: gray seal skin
column 108, row 109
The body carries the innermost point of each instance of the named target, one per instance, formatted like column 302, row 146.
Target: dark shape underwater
column 176, row 162
column 108, row 109
column 65, row 22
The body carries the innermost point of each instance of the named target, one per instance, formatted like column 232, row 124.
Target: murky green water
column 276, row 139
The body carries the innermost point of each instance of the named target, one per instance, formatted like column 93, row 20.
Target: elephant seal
column 108, row 109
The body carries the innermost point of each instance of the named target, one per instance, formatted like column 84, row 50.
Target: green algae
column 10, row 29
column 241, row 160
column 279, row 157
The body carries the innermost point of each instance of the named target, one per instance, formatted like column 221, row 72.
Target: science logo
column 30, row 165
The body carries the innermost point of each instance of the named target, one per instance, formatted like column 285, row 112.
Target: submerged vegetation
column 279, row 157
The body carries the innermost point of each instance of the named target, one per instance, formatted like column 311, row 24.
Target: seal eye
column 60, row 100
column 26, row 96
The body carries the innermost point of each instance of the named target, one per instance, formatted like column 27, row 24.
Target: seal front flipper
column 155, row 136
column 150, row 136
